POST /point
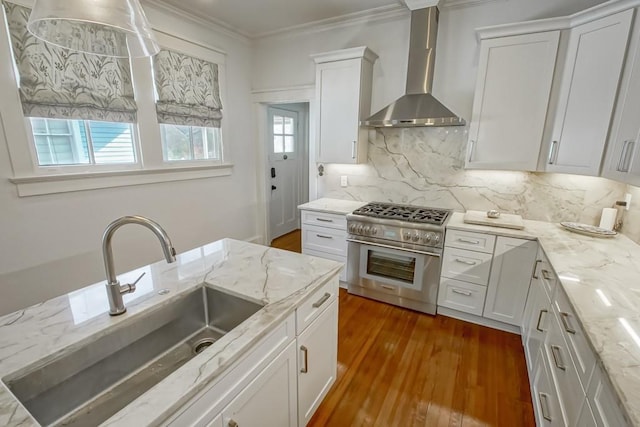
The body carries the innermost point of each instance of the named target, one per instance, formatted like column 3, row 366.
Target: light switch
column 343, row 181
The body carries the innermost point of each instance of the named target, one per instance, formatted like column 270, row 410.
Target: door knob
column 273, row 172
column 285, row 157
column 273, row 187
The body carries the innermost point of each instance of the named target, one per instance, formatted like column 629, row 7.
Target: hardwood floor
column 397, row 367
column 290, row 242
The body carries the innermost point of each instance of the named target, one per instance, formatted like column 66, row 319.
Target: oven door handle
column 380, row 245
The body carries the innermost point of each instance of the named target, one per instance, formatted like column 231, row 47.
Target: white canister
column 608, row 218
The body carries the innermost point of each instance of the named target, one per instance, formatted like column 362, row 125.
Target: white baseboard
column 255, row 239
column 471, row 318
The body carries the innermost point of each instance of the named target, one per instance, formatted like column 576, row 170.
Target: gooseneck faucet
column 114, row 289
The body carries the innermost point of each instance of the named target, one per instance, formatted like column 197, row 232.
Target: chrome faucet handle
column 131, row 287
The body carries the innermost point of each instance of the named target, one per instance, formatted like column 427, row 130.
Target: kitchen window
column 99, row 122
column 190, row 143
column 188, row 107
column 82, row 142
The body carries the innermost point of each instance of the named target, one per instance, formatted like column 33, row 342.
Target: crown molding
column 377, row 14
column 559, row 23
column 208, row 22
column 420, row 4
column 458, row 4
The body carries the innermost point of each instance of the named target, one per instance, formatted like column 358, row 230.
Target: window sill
column 36, row 185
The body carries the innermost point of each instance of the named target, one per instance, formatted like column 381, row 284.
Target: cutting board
column 504, row 221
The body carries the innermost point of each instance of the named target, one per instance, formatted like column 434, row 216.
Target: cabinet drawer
column 578, row 346
column 461, row 296
column 547, row 277
column 315, row 304
column 464, row 265
column 324, row 239
column 468, row 240
column 332, row 257
column 325, row 219
column 570, row 392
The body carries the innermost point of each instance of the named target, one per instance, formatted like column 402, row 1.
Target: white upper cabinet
column 546, row 91
column 343, row 89
column 588, row 88
column 511, row 101
column 622, row 161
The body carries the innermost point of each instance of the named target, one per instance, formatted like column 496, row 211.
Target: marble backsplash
column 425, row 166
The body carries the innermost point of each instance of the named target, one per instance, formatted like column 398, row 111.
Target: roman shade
column 59, row 83
column 188, row 91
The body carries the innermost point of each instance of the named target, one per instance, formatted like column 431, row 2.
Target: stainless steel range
column 395, row 254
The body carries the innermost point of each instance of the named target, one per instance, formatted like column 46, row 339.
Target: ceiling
column 260, row 17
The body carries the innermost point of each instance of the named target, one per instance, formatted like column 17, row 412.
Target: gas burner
column 407, row 213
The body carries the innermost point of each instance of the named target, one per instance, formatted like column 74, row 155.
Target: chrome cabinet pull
column 564, row 317
column 535, row 268
column 322, row 300
column 471, row 150
column 324, row 237
column 623, row 156
column 353, row 150
column 553, row 152
column 546, row 275
column 540, row 320
column 544, row 406
column 469, row 241
column 465, row 293
column 305, row 368
column 324, row 220
column 464, row 261
column 557, row 357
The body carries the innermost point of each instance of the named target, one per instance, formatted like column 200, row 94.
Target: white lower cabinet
column 513, row 261
column 545, row 398
column 487, row 277
column 603, row 402
column 324, row 235
column 282, row 379
column 318, row 355
column 535, row 322
column 270, row 399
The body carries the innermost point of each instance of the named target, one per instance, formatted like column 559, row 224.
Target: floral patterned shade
column 188, row 90
column 64, row 84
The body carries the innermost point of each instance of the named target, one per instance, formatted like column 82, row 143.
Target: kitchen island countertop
column 277, row 279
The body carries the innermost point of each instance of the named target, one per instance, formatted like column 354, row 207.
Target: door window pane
column 278, row 125
column 277, row 144
column 288, row 125
column 288, row 144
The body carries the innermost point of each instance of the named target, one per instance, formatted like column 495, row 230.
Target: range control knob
column 429, row 237
column 406, row 235
column 374, row 231
column 360, row 228
column 367, row 230
column 436, row 238
column 415, row 237
column 351, row 228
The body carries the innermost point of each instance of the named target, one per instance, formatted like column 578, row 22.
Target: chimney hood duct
column 418, row 107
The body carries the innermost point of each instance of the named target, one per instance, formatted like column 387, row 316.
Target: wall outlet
column 343, row 181
column 627, row 198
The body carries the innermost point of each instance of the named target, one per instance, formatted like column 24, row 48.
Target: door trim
column 261, row 100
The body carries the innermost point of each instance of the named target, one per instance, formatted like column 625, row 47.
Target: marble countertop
column 277, row 279
column 336, row 206
column 602, row 280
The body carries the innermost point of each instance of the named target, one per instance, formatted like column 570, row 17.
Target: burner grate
column 404, row 213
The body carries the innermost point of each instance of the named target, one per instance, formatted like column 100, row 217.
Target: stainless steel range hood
column 418, row 107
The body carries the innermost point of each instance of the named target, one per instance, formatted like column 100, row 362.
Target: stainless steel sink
column 89, row 385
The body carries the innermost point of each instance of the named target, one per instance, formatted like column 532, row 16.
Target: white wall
column 51, row 244
column 283, row 60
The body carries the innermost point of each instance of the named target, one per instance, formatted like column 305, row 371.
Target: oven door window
column 392, row 266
